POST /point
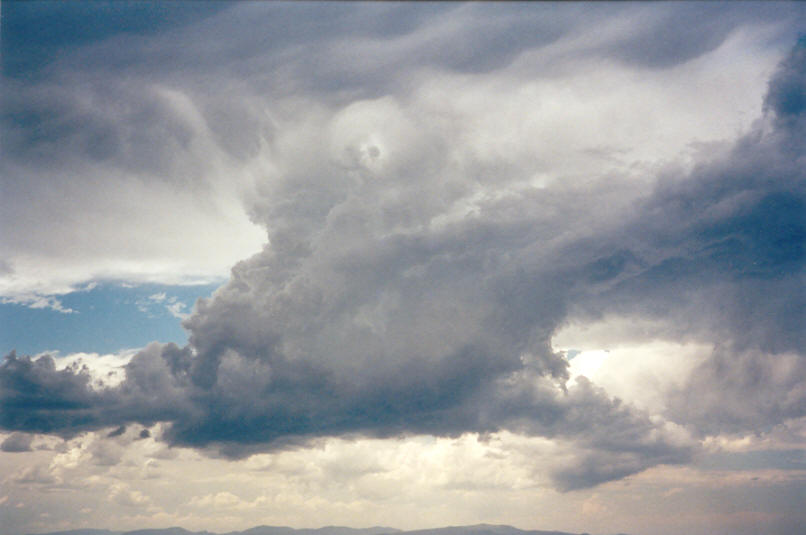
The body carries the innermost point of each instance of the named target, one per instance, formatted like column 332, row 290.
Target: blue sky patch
column 107, row 318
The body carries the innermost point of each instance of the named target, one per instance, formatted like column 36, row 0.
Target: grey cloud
column 371, row 313
column 759, row 459
column 106, row 453
column 439, row 35
column 736, row 390
column 304, row 48
column 157, row 111
column 99, row 100
column 37, row 397
column 117, row 432
column 71, row 147
column 392, row 334
column 717, row 253
column 662, row 37
column 17, row 442
column 35, row 475
column 785, row 96
column 720, row 255
column 593, row 468
column 135, row 127
column 34, row 396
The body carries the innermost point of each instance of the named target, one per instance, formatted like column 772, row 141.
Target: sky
column 403, row 264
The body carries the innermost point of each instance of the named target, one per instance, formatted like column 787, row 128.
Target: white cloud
column 177, row 310
column 639, row 372
column 106, row 370
column 37, row 301
column 172, row 304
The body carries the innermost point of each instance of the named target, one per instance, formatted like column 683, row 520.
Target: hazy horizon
column 484, row 529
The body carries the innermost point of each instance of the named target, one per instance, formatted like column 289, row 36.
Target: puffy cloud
column 35, row 475
column 122, row 495
column 33, row 392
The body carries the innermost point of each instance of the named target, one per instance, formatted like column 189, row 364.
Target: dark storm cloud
column 386, row 42
column 317, row 32
column 730, row 236
column 37, row 33
column 239, row 419
column 134, row 128
column 729, row 242
column 112, row 100
column 82, row 99
column 673, row 34
column 372, row 313
column 34, row 396
column 103, row 98
column 117, row 432
column 785, row 95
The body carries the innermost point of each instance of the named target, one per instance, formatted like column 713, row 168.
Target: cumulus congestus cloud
column 412, row 285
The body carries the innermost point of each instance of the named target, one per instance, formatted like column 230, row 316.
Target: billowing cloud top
column 435, row 213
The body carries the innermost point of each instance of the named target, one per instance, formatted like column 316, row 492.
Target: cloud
column 122, row 495
column 33, row 300
column 33, row 392
column 117, row 432
column 728, row 242
column 35, row 475
column 172, row 304
column 17, row 442
column 660, row 38
column 99, row 176
column 421, row 255
column 110, row 136
column 736, row 391
column 785, row 97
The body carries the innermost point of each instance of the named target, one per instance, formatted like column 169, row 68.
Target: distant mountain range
column 480, row 529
